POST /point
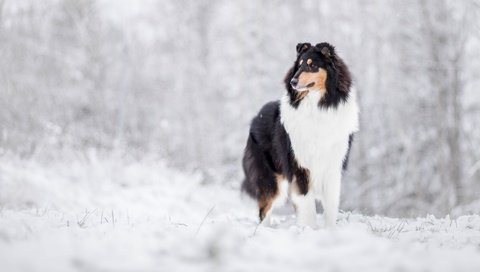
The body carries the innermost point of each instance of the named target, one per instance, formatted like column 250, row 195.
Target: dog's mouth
column 304, row 88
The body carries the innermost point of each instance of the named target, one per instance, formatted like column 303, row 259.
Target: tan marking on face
column 318, row 78
column 309, row 61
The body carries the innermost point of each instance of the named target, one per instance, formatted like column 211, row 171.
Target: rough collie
column 298, row 147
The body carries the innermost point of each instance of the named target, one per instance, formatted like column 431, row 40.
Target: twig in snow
column 113, row 219
column 453, row 221
column 176, row 223
column 203, row 221
column 371, row 226
column 397, row 229
column 82, row 222
column 41, row 213
column 255, row 231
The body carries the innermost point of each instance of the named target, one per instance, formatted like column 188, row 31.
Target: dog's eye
column 314, row 66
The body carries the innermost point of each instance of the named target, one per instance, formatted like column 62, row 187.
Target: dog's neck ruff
column 319, row 136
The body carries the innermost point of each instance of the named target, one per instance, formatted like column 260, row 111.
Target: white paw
column 307, row 222
column 330, row 223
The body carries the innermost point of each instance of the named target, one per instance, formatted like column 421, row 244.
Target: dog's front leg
column 331, row 199
column 305, row 209
column 302, row 196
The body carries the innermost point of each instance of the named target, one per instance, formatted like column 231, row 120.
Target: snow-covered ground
column 106, row 214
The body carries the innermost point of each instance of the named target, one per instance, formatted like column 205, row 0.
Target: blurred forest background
column 180, row 80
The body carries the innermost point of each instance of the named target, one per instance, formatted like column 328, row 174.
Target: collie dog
column 298, row 146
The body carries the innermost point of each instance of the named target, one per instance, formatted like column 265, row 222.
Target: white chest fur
column 319, row 137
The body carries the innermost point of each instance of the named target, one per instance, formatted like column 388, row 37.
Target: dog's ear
column 338, row 76
column 326, row 49
column 301, row 47
column 326, row 52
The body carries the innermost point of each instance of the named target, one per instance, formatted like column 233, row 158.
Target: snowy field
column 111, row 215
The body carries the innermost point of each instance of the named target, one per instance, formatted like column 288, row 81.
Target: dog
column 298, row 147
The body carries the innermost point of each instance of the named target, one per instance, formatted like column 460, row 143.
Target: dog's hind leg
column 265, row 210
column 261, row 180
column 268, row 202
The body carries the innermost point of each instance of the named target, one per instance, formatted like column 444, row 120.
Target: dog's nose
column 294, row 82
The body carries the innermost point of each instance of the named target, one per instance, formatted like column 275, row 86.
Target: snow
column 112, row 214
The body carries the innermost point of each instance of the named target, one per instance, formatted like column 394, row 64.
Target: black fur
column 268, row 152
column 347, row 156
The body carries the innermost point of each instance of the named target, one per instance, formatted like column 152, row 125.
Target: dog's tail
column 249, row 188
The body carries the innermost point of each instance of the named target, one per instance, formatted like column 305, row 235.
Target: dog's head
column 318, row 69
